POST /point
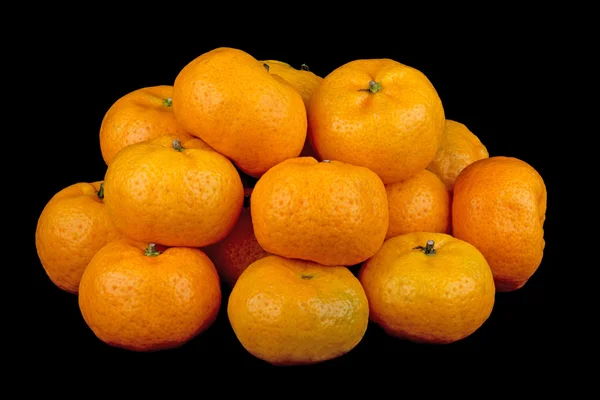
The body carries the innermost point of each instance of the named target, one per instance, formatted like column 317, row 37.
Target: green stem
column 304, row 67
column 177, row 145
column 151, row 250
column 428, row 249
column 101, row 191
column 374, row 87
column 168, row 102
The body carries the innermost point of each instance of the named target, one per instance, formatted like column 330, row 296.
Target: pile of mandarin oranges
column 322, row 204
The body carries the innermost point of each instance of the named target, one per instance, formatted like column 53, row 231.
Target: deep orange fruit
column 332, row 213
column 379, row 114
column 229, row 100
column 499, row 206
column 72, row 227
column 135, row 297
column 139, row 115
column 173, row 193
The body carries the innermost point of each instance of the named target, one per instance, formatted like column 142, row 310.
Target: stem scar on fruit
column 304, row 67
column 266, row 66
column 306, row 276
column 151, row 251
column 374, row 87
column 428, row 249
column 177, row 145
column 326, row 161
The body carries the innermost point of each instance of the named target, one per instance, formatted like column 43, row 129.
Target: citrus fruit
column 332, row 213
column 173, row 193
column 293, row 312
column 239, row 249
column 428, row 288
column 229, row 100
column 71, row 228
column 420, row 203
column 499, row 206
column 137, row 297
column 379, row 114
column 459, row 148
column 139, row 115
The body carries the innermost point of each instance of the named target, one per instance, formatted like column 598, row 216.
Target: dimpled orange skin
column 305, row 82
column 155, row 193
column 437, row 299
column 459, row 148
column 420, row 203
column 332, row 213
column 238, row 250
column 499, row 206
column 395, row 132
column 293, row 312
column 149, row 303
column 71, row 228
column 229, row 100
column 137, row 116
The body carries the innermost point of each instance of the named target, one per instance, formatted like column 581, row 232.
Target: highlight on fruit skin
column 293, row 312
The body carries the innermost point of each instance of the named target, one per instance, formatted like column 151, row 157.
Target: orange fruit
column 173, row 194
column 293, row 312
column 229, row 100
column 71, row 228
column 499, row 206
column 459, row 148
column 428, row 288
column 239, row 249
column 136, row 297
column 137, row 116
column 420, row 203
column 305, row 82
column 331, row 213
column 379, row 114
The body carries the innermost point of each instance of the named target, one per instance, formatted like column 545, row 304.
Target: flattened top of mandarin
column 331, row 166
column 377, row 113
column 78, row 189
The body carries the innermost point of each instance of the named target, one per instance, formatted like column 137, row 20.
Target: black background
column 494, row 80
